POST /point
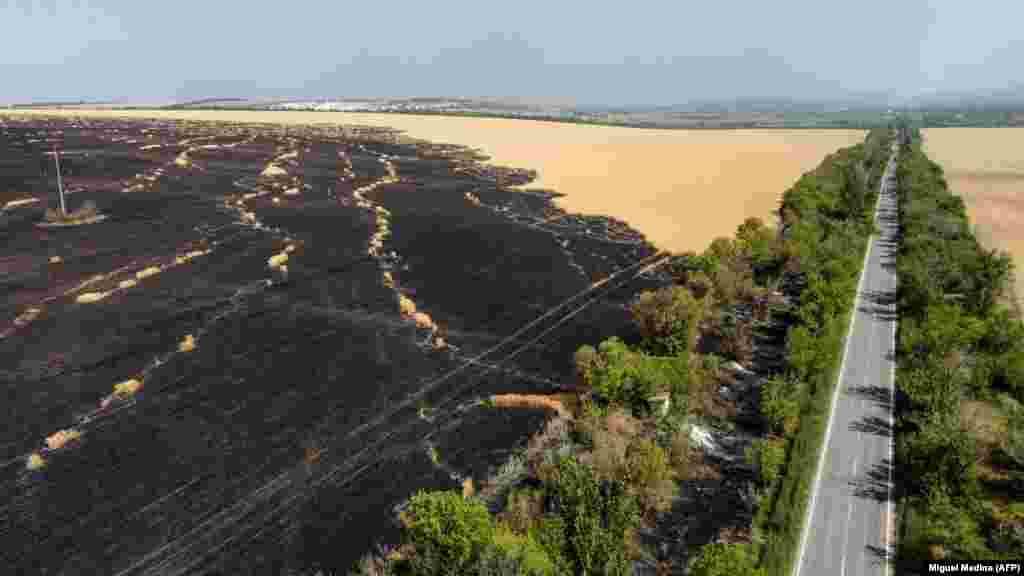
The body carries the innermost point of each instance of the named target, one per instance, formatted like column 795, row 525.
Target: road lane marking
column 849, row 514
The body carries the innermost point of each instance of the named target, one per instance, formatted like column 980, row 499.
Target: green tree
column 940, row 456
column 593, row 522
column 448, row 531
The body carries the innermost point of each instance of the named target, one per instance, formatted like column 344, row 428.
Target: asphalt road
column 850, row 515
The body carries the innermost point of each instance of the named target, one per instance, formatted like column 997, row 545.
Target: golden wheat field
column 986, row 167
column 680, row 188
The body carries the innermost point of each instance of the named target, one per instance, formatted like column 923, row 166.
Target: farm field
column 275, row 336
column 986, row 167
column 278, row 332
column 681, row 188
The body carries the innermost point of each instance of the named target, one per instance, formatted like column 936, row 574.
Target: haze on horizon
column 641, row 53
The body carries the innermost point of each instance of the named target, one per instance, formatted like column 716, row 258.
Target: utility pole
column 60, row 183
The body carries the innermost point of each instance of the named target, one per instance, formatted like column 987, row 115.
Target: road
column 850, row 523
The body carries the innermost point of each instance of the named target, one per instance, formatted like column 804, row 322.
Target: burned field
column 276, row 335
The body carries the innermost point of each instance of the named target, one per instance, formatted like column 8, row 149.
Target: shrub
column 719, row 559
column 668, row 319
column 648, row 475
column 779, row 405
column 608, row 453
column 449, row 532
column 595, row 520
column 523, row 508
column 769, row 456
column 522, row 552
column 679, row 451
column 618, row 375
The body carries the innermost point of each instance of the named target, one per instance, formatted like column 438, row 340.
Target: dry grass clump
column 87, row 211
column 61, row 438
column 187, row 344
column 21, row 202
column 439, row 343
column 90, row 297
column 124, row 284
column 472, row 198
column 188, row 256
column 35, row 461
column 679, row 452
column 291, row 192
column 273, row 170
column 406, row 306
column 424, row 321
column 147, row 272
column 530, row 401
column 127, row 388
column 467, row 488
column 27, row 316
column 277, row 260
column 183, row 160
column 389, row 281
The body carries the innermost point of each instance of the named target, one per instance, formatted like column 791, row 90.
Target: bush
column 719, row 559
column 618, row 375
column 522, row 552
column 648, row 475
column 449, row 532
column 679, row 451
column 940, row 455
column 523, row 508
column 779, row 404
column 668, row 319
column 768, row 456
column 594, row 522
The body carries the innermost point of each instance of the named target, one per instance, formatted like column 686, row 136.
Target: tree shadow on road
column 879, row 395
column 874, row 425
column 875, row 483
column 879, row 304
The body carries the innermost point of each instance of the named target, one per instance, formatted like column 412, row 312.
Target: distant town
column 856, row 114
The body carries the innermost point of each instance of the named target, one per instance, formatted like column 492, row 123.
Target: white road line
column 849, row 515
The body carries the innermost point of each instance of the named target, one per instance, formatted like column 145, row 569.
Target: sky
column 591, row 53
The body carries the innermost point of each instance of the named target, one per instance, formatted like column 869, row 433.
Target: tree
column 940, row 456
column 593, row 523
column 448, row 531
column 668, row 319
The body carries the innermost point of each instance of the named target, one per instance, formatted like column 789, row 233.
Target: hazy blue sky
column 629, row 52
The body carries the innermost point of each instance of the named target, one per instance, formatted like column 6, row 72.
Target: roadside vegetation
column 739, row 351
column 960, row 380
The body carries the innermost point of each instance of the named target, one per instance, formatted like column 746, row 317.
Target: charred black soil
column 309, row 400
